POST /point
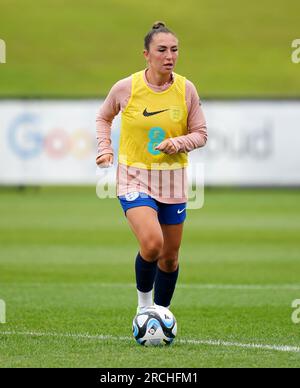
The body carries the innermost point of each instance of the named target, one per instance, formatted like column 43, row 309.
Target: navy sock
column 145, row 274
column 165, row 283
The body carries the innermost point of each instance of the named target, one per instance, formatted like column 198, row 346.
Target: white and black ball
column 154, row 326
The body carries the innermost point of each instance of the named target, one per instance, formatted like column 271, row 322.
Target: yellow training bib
column 148, row 119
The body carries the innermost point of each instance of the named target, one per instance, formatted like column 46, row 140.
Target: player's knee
column 169, row 263
column 152, row 247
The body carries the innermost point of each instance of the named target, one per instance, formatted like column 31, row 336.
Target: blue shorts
column 168, row 214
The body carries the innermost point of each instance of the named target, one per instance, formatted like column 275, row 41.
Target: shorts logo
column 180, row 211
column 132, row 196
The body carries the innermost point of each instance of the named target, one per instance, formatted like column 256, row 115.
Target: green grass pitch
column 67, row 277
column 71, row 48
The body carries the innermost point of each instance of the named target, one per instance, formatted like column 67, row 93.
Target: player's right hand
column 105, row 161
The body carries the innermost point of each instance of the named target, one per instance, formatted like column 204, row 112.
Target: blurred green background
column 79, row 49
column 67, row 269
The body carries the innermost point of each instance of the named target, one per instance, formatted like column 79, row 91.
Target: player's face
column 163, row 53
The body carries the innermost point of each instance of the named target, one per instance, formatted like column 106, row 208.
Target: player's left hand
column 167, row 147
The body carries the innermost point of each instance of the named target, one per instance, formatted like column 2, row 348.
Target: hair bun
column 158, row 25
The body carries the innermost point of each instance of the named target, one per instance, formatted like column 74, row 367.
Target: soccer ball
column 154, row 326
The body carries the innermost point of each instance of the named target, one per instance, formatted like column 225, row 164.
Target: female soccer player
column 162, row 121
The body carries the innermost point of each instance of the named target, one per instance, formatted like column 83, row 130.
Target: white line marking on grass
column 254, row 287
column 66, row 335
column 279, row 348
column 200, row 286
column 251, row 346
column 246, row 287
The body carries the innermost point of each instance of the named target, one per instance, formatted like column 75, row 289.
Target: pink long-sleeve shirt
column 164, row 186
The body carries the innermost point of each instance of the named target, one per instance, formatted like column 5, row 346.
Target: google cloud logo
column 28, row 140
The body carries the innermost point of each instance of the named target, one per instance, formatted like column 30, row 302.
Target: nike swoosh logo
column 181, row 211
column 147, row 114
